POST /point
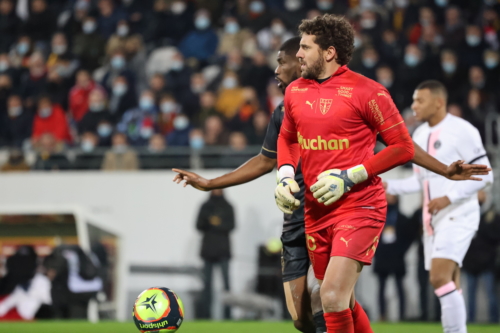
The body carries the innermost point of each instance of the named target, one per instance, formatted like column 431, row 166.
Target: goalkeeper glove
column 332, row 184
column 283, row 194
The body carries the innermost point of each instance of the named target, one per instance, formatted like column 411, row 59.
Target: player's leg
column 316, row 306
column 295, row 262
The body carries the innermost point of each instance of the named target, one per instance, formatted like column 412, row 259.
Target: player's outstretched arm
column 252, row 169
column 455, row 171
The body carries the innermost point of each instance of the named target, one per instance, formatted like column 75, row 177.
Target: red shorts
column 355, row 238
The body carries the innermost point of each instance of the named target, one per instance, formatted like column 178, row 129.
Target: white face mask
column 122, row 30
column 87, row 146
column 178, row 7
column 120, row 89
column 89, row 27
column 167, row 107
column 293, row 5
column 278, row 29
column 45, row 112
column 59, row 49
column 229, row 83
column 15, row 111
column 147, row 132
column 181, row 123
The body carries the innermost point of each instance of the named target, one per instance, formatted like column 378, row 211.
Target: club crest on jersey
column 437, row 144
column 324, row 105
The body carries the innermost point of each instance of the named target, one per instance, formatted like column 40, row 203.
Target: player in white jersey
column 450, row 209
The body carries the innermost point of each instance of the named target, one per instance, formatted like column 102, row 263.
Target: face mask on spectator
column 491, row 62
column 411, row 60
column 23, row 48
column 146, row 103
column 89, row 27
column 15, row 111
column 127, row 2
column 181, row 123
column 368, row 23
column 278, row 29
column 197, row 89
column 177, row 65
column 4, row 65
column 45, row 112
column 257, row 7
column 117, row 62
column 196, row 142
column 232, row 28
column 120, row 149
column 401, row 3
column 63, row 71
column 202, row 22
column 357, row 42
column 122, row 30
column 87, row 146
column 449, row 67
column 178, row 7
column 369, row 62
column 146, row 132
column 229, row 83
column 473, row 40
column 59, row 49
column 324, row 5
column 97, row 107
column 386, row 82
column 293, row 5
column 425, row 22
column 119, row 89
column 167, row 107
column 478, row 84
column 441, row 3
column 104, row 130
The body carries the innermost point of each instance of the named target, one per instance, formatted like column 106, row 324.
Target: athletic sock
column 453, row 314
column 319, row 321
column 339, row 322
column 360, row 319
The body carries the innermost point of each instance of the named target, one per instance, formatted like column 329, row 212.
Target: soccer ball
column 158, row 310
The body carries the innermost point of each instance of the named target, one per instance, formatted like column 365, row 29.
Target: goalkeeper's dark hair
column 435, row 87
column 291, row 46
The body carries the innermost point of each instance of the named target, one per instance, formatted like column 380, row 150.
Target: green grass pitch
column 216, row 327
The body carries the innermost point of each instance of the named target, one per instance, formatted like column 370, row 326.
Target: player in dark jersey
column 301, row 288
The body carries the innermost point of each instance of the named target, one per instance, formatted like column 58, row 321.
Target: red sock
column 360, row 319
column 339, row 322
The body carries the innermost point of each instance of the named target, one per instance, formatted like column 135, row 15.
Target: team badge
column 324, row 105
column 437, row 144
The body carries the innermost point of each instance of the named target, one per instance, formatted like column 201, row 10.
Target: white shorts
column 450, row 242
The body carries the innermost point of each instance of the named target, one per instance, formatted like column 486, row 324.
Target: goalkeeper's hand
column 283, row 194
column 332, row 184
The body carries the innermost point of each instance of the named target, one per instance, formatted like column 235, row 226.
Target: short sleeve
column 470, row 146
column 379, row 110
column 270, row 146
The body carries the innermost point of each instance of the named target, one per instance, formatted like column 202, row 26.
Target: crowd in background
column 156, row 74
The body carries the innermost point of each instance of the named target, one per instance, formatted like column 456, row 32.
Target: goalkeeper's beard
column 313, row 71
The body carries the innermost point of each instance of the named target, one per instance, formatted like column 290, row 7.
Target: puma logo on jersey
column 345, row 241
column 310, row 104
column 381, row 94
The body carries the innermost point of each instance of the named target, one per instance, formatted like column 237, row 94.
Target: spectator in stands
column 234, row 61
column 178, row 77
column 120, row 157
column 157, row 85
column 89, row 46
column 104, row 132
column 254, row 15
column 180, row 135
column 235, row 37
column 231, row 95
column 215, row 221
column 491, row 60
column 391, row 50
column 412, row 71
column 476, row 110
column 97, row 113
column 157, row 28
column 201, row 43
column 139, row 124
column 190, row 99
column 21, row 52
column 256, row 132
column 117, row 67
column 89, row 141
column 50, row 118
column 169, row 110
column 215, row 134
column 79, row 94
column 274, row 96
column 136, row 10
column 123, row 97
column 180, row 20
column 385, row 76
column 109, row 16
column 50, row 156
column 473, row 48
column 369, row 62
column 237, row 141
column 136, row 55
column 73, row 25
column 207, row 108
column 196, row 140
column 16, row 162
column 371, row 25
column 119, row 37
column 454, row 29
column 9, row 25
column 477, row 80
column 260, row 75
column 5, row 91
column 60, row 49
column 34, row 82
column 157, row 144
column 41, row 23
column 19, row 122
column 7, row 69
column 452, row 74
column 274, row 34
column 479, row 262
column 59, row 80
column 243, row 118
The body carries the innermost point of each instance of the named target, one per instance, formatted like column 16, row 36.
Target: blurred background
column 100, row 98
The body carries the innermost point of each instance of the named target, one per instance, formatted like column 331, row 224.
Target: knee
column 439, row 279
column 334, row 300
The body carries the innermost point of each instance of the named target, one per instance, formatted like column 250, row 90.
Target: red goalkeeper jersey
column 335, row 124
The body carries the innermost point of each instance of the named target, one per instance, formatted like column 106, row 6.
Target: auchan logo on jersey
column 321, row 144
